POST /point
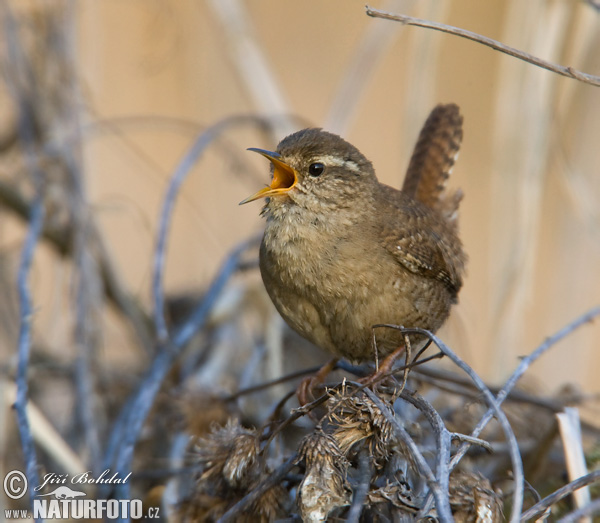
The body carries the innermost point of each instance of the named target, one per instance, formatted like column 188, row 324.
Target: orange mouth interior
column 284, row 178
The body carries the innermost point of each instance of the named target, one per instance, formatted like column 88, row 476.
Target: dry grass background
column 114, row 94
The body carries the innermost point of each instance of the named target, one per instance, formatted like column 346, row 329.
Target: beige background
column 154, row 73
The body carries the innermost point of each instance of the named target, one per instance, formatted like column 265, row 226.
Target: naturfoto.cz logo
column 63, row 502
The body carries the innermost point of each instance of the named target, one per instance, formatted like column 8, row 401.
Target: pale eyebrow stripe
column 329, row 159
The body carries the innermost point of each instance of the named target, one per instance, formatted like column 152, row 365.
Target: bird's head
column 316, row 169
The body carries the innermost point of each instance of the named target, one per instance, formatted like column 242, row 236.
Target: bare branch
column 577, row 515
column 24, row 344
column 365, row 474
column 540, row 507
column 569, row 72
column 181, row 172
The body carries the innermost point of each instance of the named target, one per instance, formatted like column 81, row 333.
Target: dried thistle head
column 473, row 500
column 231, row 469
column 398, row 494
column 357, row 420
column 323, row 488
column 270, row 506
column 229, row 454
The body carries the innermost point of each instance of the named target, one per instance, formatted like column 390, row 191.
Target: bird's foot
column 384, row 370
column 304, row 393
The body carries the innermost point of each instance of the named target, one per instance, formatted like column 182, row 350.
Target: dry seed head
column 398, row 494
column 473, row 500
column 228, row 453
column 323, row 488
column 270, row 506
column 358, row 419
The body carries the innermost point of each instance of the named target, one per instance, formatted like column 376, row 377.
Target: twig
column 589, row 510
column 24, row 344
column 569, row 72
column 473, row 441
column 272, row 383
column 540, row 507
column 181, row 172
column 443, row 439
column 365, row 473
column 440, row 494
column 19, row 74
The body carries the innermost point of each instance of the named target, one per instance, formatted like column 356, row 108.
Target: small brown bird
column 342, row 252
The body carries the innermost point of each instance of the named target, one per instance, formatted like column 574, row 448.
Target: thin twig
column 365, row 473
column 20, row 73
column 24, row 345
column 569, row 72
column 443, row 437
column 588, row 510
column 539, row 508
column 181, row 172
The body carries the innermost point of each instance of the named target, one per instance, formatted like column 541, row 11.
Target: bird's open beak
column 284, row 177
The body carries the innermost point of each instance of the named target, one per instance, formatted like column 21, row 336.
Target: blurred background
column 103, row 99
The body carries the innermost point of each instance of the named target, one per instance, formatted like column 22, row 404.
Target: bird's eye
column 316, row 169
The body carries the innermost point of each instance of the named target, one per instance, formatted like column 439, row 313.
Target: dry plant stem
column 570, row 432
column 181, row 172
column 20, row 73
column 517, row 463
column 577, row 515
column 442, row 436
column 440, row 494
column 539, row 508
column 569, row 72
column 365, row 473
column 473, row 441
column 341, row 365
column 126, row 430
column 267, row 384
column 269, row 482
column 24, row 345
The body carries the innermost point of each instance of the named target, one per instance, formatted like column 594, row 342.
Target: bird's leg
column 304, row 393
column 384, row 369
